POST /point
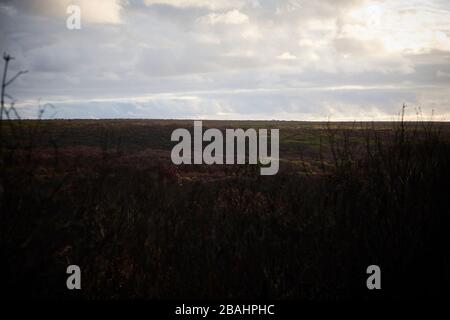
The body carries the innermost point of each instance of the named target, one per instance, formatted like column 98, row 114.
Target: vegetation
column 104, row 195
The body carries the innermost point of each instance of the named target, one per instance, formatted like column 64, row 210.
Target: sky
column 230, row 59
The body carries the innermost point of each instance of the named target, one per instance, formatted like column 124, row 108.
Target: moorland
column 104, row 195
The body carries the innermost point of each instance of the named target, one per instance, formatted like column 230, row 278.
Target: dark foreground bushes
column 146, row 233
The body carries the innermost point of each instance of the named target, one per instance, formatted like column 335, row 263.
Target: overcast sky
column 231, row 59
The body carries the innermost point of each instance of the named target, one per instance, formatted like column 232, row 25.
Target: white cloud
column 286, row 56
column 251, row 32
column 210, row 4
column 101, row 11
column 230, row 17
column 399, row 27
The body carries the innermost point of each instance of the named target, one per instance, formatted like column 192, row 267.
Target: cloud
column 230, row 17
column 440, row 73
column 92, row 11
column 287, row 59
column 213, row 5
column 398, row 27
column 286, row 56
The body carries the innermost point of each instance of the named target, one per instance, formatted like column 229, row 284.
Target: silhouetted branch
column 18, row 74
column 3, row 109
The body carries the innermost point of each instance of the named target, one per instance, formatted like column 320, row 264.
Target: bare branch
column 7, row 57
column 12, row 108
column 18, row 74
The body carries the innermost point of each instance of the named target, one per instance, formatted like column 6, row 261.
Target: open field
column 103, row 194
column 141, row 144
